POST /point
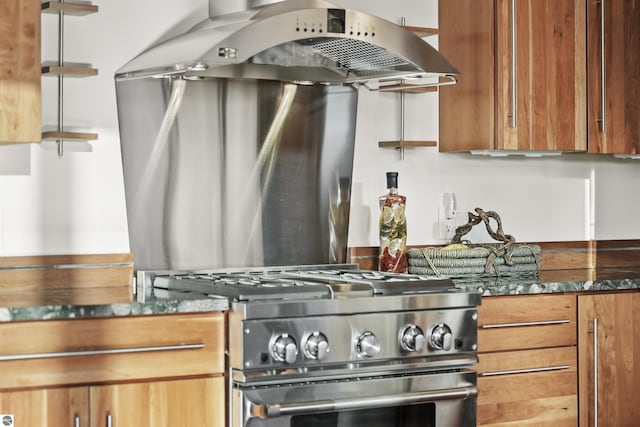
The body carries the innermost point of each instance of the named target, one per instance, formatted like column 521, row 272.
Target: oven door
column 425, row 400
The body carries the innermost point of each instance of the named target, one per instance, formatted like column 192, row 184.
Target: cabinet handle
column 595, row 372
column 514, row 86
column 4, row 358
column 603, row 73
column 109, row 420
column 524, row 371
column 518, row 324
column 76, row 421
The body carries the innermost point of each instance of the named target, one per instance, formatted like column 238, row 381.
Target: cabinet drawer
column 526, row 361
column 527, row 388
column 526, row 322
column 89, row 351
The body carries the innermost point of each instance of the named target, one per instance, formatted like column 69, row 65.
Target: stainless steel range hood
column 238, row 137
column 302, row 41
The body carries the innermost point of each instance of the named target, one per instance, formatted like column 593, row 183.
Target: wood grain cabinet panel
column 528, row 388
column 185, row 402
column 46, row 407
column 195, row 402
column 523, row 77
column 146, row 371
column 86, row 351
column 20, row 89
column 525, row 322
column 527, row 370
column 609, row 359
column 613, row 69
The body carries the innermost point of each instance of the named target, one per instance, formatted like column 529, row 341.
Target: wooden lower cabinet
column 190, row 402
column 142, row 371
column 196, row 402
column 609, row 360
column 46, row 407
column 528, row 388
column 527, row 370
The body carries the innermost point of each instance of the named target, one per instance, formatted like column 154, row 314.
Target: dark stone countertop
column 555, row 281
column 545, row 282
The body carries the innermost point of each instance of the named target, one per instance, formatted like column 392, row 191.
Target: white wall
column 75, row 204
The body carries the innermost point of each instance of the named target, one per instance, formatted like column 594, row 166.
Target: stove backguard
column 236, row 173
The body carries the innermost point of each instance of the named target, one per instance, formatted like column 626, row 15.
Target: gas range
column 306, row 341
column 299, row 322
column 300, row 283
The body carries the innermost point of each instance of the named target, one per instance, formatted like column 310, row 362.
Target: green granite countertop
column 555, row 281
column 184, row 304
column 560, row 281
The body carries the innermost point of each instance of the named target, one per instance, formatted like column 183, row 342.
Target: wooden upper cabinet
column 20, row 91
column 523, row 78
column 614, row 102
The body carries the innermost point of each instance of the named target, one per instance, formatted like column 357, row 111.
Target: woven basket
column 473, row 261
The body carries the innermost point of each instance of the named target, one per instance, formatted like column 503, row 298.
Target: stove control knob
column 368, row 344
column 441, row 337
column 412, row 339
column 316, row 346
column 284, row 349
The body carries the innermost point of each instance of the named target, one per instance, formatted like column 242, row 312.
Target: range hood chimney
column 300, row 41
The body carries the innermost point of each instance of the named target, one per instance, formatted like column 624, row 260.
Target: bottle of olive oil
column 393, row 228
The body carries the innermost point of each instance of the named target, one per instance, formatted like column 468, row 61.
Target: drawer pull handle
column 4, row 358
column 518, row 324
column 524, row 371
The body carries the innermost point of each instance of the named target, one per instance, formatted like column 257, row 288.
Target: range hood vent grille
column 361, row 57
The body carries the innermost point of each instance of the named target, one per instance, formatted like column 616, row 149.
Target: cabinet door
column 523, row 78
column 193, row 402
column 614, row 102
column 55, row 407
column 541, row 83
column 20, row 103
column 609, row 360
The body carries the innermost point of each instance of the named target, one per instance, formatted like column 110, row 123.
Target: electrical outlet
column 449, row 221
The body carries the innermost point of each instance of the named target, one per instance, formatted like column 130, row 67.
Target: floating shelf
column 422, row 31
column 403, row 144
column 407, row 88
column 69, row 8
column 68, row 136
column 68, row 71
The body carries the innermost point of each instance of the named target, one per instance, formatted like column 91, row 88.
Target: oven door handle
column 265, row 411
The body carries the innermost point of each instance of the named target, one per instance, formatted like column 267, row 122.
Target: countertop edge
column 152, row 307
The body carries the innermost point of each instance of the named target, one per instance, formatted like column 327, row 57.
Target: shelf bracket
column 60, row 79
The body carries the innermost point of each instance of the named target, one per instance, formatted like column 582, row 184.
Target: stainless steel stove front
column 382, row 361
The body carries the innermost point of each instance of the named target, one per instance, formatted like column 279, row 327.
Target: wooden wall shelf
column 403, row 144
column 422, row 31
column 407, row 88
column 68, row 71
column 69, row 8
column 69, row 136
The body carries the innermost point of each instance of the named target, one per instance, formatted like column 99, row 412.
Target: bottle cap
column 392, row 179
